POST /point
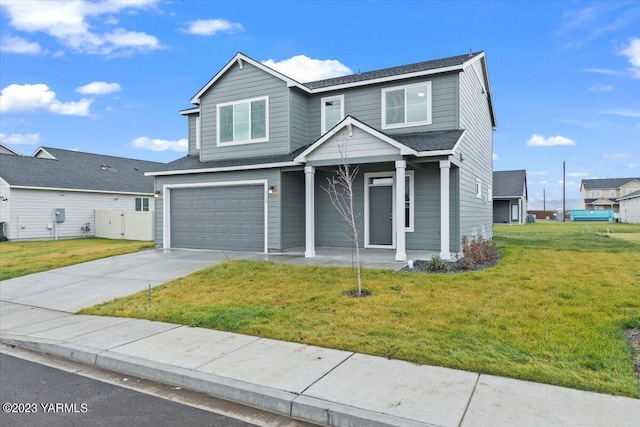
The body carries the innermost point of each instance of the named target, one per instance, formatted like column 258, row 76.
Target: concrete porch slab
column 277, row 364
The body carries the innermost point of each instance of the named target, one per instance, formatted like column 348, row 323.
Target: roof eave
column 224, row 169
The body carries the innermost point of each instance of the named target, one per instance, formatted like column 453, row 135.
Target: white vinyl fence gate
column 127, row 225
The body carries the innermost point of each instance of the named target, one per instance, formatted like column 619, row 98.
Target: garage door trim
column 166, row 204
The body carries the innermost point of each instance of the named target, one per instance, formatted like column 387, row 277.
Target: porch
column 342, row 257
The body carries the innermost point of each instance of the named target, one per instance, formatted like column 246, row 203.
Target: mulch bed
column 633, row 337
column 420, row 266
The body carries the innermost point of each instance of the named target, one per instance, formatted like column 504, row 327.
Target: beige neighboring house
column 630, row 208
column 605, row 193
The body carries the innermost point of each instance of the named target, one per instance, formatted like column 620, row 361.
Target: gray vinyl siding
column 236, row 85
column 365, row 104
column 426, row 234
column 476, row 215
column 192, row 135
column 299, row 119
column 29, row 212
column 272, row 175
column 293, row 209
column 330, row 226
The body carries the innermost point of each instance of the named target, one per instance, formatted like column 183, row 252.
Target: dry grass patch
column 545, row 313
column 22, row 258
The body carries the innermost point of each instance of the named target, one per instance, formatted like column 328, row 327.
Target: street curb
column 280, row 402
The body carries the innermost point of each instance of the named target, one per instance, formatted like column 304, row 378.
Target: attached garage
column 223, row 217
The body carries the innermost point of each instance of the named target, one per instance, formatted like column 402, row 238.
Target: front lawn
column 22, row 258
column 553, row 310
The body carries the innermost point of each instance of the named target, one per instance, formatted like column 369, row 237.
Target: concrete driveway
column 71, row 288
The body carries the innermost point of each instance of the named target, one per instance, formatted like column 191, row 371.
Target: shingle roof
column 509, row 183
column 429, row 140
column 630, row 195
column 75, row 170
column 393, row 71
column 606, row 182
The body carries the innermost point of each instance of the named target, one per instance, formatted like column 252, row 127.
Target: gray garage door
column 229, row 218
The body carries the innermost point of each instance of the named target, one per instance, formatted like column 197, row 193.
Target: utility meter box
column 59, row 213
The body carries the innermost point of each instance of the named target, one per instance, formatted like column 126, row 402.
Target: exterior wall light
column 272, row 190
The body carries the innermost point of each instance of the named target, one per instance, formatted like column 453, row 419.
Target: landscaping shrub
column 477, row 252
column 437, row 265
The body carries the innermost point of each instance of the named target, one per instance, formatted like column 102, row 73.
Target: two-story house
column 603, row 193
column 262, row 145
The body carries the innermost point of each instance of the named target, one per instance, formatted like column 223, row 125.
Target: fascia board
column 224, row 169
column 78, row 190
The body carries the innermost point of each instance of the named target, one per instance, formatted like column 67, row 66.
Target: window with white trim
column 142, row 204
column 612, row 193
column 595, row 193
column 331, row 112
column 478, row 188
column 408, row 201
column 631, row 190
column 404, row 106
column 243, row 122
column 490, row 192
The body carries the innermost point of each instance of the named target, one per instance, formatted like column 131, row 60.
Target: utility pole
column 544, row 200
column 564, row 185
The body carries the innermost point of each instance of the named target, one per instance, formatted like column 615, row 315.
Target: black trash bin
column 2, row 238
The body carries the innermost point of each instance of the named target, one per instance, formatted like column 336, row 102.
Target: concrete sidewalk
column 319, row 385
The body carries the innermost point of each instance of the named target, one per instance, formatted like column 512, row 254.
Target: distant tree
column 340, row 191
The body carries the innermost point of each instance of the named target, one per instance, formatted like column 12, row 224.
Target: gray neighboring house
column 630, row 208
column 510, row 197
column 262, row 145
column 34, row 187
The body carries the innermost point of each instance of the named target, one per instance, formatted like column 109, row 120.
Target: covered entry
column 217, row 216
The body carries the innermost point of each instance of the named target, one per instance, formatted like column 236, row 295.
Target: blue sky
column 110, row 76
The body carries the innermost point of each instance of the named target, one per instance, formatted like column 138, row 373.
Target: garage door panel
column 218, row 218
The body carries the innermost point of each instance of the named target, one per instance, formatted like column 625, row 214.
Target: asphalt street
column 37, row 395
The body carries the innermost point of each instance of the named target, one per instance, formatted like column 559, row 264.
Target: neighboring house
column 510, row 197
column 604, row 193
column 72, row 183
column 630, row 208
column 262, row 145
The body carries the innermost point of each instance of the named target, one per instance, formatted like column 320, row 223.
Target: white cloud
column 74, row 24
column 305, row 69
column 577, row 174
column 19, row 45
column 495, row 157
column 537, row 173
column 604, row 71
column 624, row 112
column 30, row 98
column 98, row 88
column 632, row 166
column 616, row 156
column 601, row 88
column 20, row 138
column 210, row 27
column 146, row 143
column 632, row 52
column 541, row 141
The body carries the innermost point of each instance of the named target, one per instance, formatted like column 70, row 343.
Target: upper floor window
column 332, row 111
column 478, row 188
column 631, row 190
column 612, row 193
column 406, row 106
column 490, row 192
column 198, row 133
column 142, row 204
column 243, row 122
column 595, row 193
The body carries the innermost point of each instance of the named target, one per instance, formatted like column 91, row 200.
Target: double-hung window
column 332, row 112
column 142, row 204
column 404, row 106
column 243, row 122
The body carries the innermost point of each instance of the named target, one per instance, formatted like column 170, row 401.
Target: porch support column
column 309, row 208
column 445, row 167
column 401, row 255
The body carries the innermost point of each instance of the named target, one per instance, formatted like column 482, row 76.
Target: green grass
column 22, row 258
column 553, row 310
